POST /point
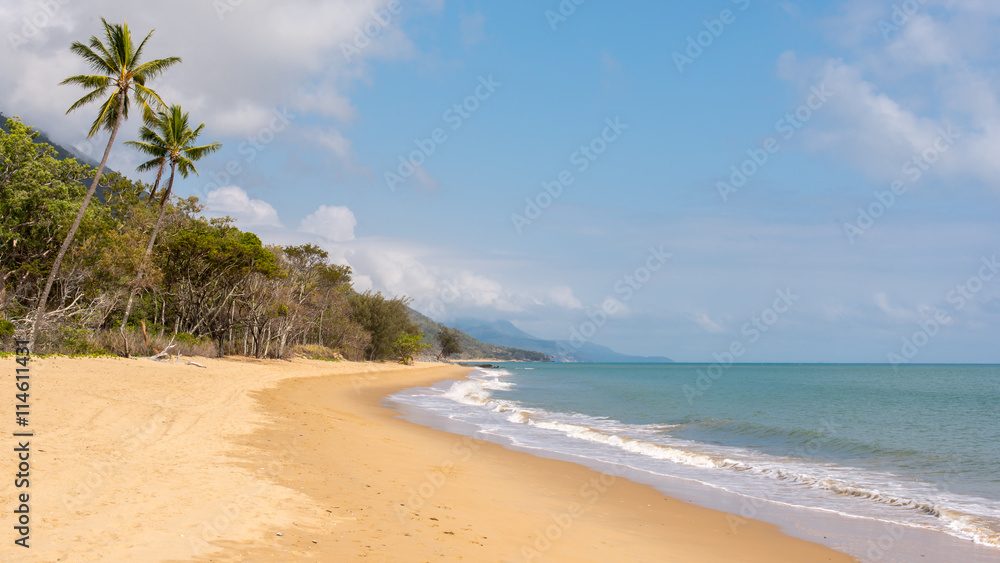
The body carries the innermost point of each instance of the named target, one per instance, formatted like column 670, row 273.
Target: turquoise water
column 917, row 446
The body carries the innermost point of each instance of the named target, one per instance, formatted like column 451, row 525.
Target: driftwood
column 166, row 354
column 162, row 353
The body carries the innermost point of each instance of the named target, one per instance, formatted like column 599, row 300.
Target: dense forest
column 209, row 287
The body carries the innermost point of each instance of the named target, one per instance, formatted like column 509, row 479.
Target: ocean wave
column 971, row 518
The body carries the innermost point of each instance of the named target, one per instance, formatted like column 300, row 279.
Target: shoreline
column 870, row 536
column 139, row 460
column 451, row 495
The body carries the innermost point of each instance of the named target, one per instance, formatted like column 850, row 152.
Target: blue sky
column 826, row 107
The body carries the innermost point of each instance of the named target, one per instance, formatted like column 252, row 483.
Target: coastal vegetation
column 201, row 285
column 144, row 273
column 138, row 271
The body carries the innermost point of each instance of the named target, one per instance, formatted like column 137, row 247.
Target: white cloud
column 899, row 314
column 337, row 144
column 239, row 64
column 439, row 282
column 331, row 222
column 707, row 324
column 562, row 296
column 934, row 70
column 922, row 42
column 424, row 179
column 234, row 202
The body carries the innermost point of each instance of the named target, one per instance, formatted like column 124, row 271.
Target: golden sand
column 135, row 460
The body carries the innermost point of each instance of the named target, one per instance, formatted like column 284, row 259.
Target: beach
column 252, row 460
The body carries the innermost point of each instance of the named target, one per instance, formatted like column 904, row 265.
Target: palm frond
column 145, row 148
column 88, row 81
column 152, row 69
column 106, row 118
column 98, row 63
column 87, row 99
column 151, row 164
column 148, row 98
column 116, row 59
column 137, row 52
column 101, row 51
column 167, row 135
column 197, row 153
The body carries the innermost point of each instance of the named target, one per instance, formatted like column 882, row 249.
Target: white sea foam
column 739, row 469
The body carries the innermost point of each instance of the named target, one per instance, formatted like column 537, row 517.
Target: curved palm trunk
column 40, row 312
column 149, row 252
column 156, row 184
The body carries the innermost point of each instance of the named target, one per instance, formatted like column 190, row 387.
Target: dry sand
column 134, row 460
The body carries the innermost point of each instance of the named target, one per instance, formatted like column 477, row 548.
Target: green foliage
column 385, row 319
column 38, row 199
column 189, row 339
column 208, row 286
column 205, row 266
column 77, row 342
column 448, row 338
column 409, row 345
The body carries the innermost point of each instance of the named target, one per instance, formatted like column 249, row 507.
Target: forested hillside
column 208, row 289
column 472, row 348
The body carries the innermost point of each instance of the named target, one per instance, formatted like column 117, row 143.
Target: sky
column 728, row 180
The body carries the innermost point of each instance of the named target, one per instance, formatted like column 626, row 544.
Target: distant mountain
column 472, row 348
column 504, row 333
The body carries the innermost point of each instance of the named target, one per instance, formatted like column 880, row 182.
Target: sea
column 884, row 463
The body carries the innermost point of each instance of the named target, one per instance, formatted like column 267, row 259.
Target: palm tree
column 120, row 72
column 167, row 137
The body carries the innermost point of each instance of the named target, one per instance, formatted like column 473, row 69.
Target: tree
column 385, row 319
column 208, row 268
column 38, row 197
column 409, row 345
column 168, row 138
column 117, row 62
column 448, row 339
